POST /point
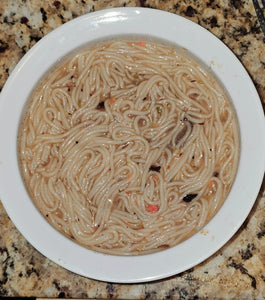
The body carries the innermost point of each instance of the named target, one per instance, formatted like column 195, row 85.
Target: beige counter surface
column 237, row 271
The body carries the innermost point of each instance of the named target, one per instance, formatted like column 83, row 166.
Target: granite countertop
column 235, row 271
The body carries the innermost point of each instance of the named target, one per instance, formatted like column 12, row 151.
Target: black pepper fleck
column 189, row 197
column 101, row 105
column 155, row 168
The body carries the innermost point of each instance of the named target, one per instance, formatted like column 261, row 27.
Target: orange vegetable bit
column 129, row 175
column 168, row 167
column 193, row 96
column 112, row 100
column 155, row 177
column 128, row 192
column 211, row 183
column 152, row 208
column 142, row 44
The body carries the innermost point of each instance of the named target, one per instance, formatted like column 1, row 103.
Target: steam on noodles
column 129, row 147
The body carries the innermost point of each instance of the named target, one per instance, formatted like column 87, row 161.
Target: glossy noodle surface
column 129, row 147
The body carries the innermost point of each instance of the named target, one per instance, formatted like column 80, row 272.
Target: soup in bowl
column 129, row 147
column 128, row 144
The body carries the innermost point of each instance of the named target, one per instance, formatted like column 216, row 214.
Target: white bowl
column 212, row 52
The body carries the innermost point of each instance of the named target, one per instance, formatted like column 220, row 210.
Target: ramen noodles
column 129, row 147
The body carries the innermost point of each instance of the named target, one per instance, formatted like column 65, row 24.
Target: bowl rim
column 222, row 62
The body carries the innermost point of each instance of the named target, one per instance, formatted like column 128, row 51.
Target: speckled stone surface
column 237, row 271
